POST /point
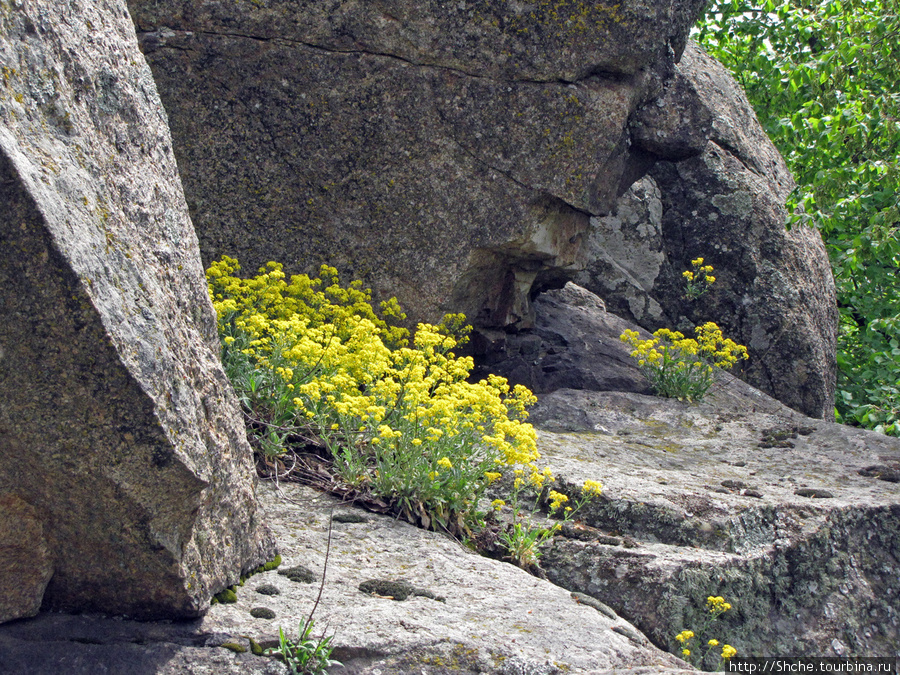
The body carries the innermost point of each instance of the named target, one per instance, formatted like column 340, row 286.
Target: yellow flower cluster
column 592, row 488
column 698, row 280
column 557, row 499
column 316, row 355
column 681, row 367
column 522, row 540
column 684, row 635
column 717, row 604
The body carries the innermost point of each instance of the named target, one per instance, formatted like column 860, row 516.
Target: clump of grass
column 308, row 655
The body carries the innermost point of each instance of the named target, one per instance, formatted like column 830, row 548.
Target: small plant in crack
column 308, row 655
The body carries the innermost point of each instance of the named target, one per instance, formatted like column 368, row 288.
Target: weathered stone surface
column 87, row 645
column 677, row 124
column 117, row 426
column 713, row 496
column 540, row 41
column 773, row 292
column 625, row 254
column 446, row 153
column 24, row 558
column 793, row 519
column 574, row 345
column 486, row 616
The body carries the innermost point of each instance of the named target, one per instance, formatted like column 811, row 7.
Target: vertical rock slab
column 722, row 199
column 24, row 558
column 119, row 434
column 446, row 153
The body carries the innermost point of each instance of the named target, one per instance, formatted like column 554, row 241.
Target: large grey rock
column 794, row 520
column 446, row 153
column 574, row 345
column 486, row 616
column 774, row 291
column 781, row 514
column 462, row 157
column 493, row 618
column 119, row 436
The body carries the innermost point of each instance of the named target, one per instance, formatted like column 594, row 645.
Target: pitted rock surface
column 118, row 430
column 713, row 509
column 492, row 617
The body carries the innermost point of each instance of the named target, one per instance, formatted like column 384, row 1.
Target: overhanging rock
column 449, row 154
column 119, row 435
column 463, row 156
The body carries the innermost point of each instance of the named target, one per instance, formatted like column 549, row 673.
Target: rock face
column 794, row 520
column 773, row 511
column 773, row 292
column 446, row 153
column 24, row 558
column 462, row 156
column 482, row 616
column 574, row 345
column 122, row 457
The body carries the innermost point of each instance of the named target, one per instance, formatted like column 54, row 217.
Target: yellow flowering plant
column 314, row 363
column 698, row 279
column 521, row 539
column 680, row 367
column 706, row 653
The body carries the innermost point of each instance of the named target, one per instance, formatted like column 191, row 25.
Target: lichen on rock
column 396, row 589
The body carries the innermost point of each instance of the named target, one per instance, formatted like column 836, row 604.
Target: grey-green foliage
column 308, row 655
column 824, row 78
